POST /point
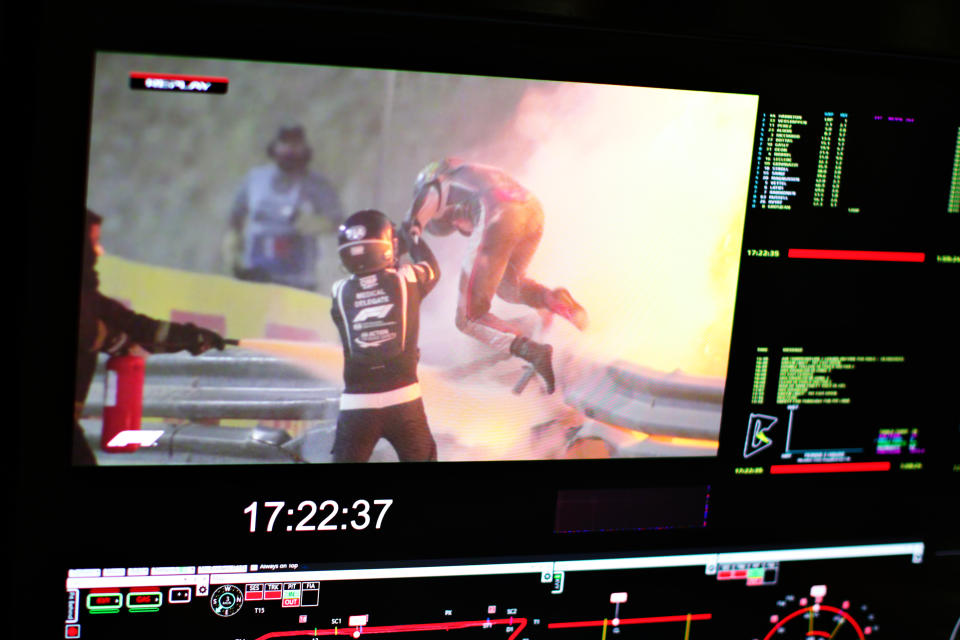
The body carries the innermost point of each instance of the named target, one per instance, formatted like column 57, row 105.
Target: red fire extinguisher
column 123, row 400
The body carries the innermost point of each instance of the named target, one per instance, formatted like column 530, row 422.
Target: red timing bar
column 143, row 75
column 845, row 254
column 520, row 623
column 623, row 621
column 829, row 467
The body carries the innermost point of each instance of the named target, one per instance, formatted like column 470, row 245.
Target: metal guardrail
column 239, row 384
column 642, row 399
column 210, row 444
column 233, row 384
column 673, row 387
column 233, row 362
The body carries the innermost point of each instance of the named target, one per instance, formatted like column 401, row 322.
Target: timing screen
column 841, row 333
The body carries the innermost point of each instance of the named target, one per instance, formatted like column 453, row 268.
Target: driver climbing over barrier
column 504, row 222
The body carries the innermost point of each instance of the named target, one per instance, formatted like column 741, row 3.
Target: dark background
column 47, row 72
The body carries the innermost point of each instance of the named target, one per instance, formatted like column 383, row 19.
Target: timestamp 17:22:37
column 357, row 517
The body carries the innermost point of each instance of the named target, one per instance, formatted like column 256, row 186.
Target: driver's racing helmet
column 434, row 175
column 367, row 242
column 427, row 176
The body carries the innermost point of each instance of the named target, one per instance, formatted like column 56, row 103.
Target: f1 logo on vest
column 380, row 311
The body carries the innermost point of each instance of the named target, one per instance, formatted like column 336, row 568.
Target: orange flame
column 645, row 193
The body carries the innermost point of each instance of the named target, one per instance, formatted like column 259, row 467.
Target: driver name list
column 774, row 182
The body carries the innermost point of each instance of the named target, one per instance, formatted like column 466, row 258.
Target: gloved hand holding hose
column 189, row 336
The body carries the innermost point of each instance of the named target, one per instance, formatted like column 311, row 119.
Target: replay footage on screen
column 302, row 263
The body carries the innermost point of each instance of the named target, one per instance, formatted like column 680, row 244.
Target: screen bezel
column 59, row 112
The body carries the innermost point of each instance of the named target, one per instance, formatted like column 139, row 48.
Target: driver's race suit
column 504, row 222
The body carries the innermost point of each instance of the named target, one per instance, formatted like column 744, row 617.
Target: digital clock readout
column 763, row 253
column 328, row 516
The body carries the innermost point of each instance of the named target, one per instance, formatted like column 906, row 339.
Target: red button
column 73, row 631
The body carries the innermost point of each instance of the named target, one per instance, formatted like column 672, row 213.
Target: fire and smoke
column 644, row 192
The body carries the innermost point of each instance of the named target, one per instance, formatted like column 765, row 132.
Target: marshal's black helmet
column 367, row 242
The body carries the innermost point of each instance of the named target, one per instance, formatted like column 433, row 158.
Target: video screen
column 295, row 263
column 843, row 592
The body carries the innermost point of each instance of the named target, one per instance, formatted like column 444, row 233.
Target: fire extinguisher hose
column 230, row 342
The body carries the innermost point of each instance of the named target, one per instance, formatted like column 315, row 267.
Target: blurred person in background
column 279, row 212
column 504, row 222
column 106, row 326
